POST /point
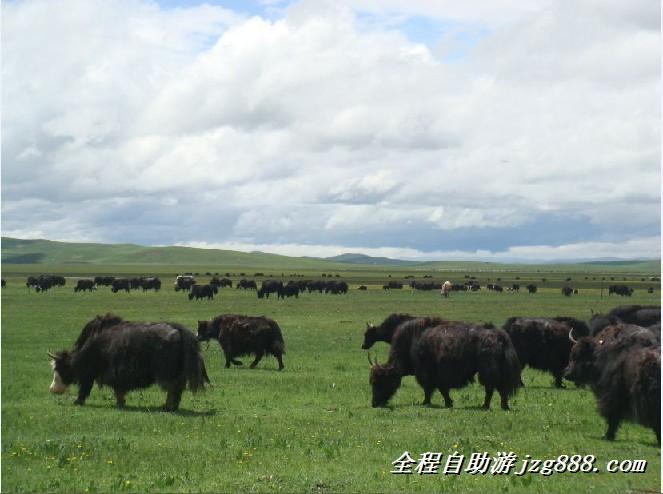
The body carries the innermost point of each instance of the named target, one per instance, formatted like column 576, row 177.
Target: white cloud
column 312, row 125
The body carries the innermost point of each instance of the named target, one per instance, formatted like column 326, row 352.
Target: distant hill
column 350, row 258
column 18, row 251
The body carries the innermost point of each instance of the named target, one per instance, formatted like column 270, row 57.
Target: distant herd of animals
column 617, row 354
column 187, row 283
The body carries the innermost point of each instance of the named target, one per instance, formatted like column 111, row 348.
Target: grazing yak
column 543, row 343
column 448, row 356
column 245, row 284
column 531, row 288
column 128, row 355
column 242, row 335
column 103, row 280
column 622, row 364
column 446, row 288
column 120, row 284
column 621, row 290
column 152, row 283
column 82, row 285
column 289, row 290
column 203, row 291
column 268, row 287
column 184, row 282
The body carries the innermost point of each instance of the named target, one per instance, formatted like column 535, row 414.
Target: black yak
column 269, row 286
column 448, row 356
column 245, row 284
column 82, row 285
column 128, row 355
column 120, row 284
column 242, row 335
column 543, row 343
column 151, row 283
column 203, row 291
column 184, row 282
column 385, row 331
column 289, row 290
column 622, row 364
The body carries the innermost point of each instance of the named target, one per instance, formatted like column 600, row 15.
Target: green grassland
column 309, row 428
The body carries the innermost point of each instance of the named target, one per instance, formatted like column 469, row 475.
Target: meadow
column 309, row 428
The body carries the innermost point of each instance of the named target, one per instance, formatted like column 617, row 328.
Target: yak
column 241, row 335
column 621, row 290
column 648, row 316
column 622, row 365
column 128, row 355
column 289, row 290
column 447, row 356
column 82, row 285
column 543, row 343
column 245, row 284
column 269, row 286
column 120, row 284
column 385, row 331
column 203, row 291
column 152, row 283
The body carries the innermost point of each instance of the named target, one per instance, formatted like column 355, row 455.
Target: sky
column 420, row 129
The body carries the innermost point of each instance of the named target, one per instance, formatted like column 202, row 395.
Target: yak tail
column 278, row 345
column 193, row 365
column 510, row 368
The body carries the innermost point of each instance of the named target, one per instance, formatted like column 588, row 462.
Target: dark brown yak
column 130, row 355
column 446, row 356
column 242, row 335
column 543, row 342
column 622, row 364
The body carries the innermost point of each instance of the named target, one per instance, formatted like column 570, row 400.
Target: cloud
column 313, row 127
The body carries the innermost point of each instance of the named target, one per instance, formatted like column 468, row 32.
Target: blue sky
column 423, row 129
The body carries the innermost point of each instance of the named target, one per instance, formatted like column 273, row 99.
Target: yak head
column 581, row 361
column 63, row 373
column 384, row 380
column 370, row 336
column 205, row 331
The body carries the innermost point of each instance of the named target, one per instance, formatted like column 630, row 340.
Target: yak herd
column 616, row 354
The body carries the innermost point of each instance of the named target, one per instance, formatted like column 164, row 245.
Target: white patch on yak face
column 57, row 386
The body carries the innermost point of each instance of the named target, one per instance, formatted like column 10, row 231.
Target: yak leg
column 84, row 391
column 174, row 396
column 613, row 425
column 428, row 392
column 259, row 355
column 119, row 398
column 280, row 359
column 558, row 378
column 448, row 402
column 229, row 357
column 489, row 396
column 504, row 400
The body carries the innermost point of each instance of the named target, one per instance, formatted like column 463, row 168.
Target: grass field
column 309, row 428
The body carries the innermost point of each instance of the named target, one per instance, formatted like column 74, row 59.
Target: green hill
column 37, row 252
column 16, row 251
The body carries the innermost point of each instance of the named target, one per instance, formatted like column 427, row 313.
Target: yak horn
column 571, row 336
column 51, row 355
column 368, row 354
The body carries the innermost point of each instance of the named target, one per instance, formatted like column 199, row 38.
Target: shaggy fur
column 131, row 355
column 543, row 343
column 622, row 364
column 242, row 335
column 448, row 354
